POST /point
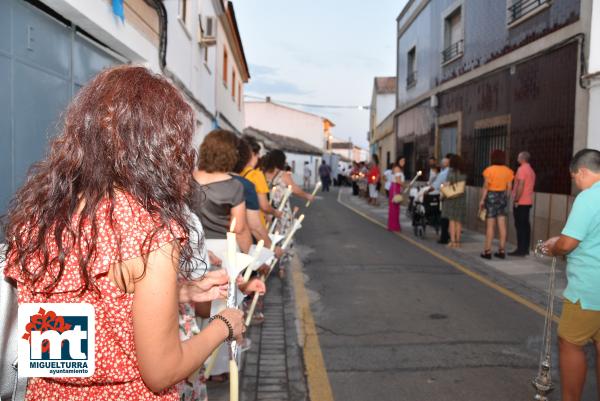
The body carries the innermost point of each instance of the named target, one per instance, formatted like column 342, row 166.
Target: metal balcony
column 520, row 8
column 452, row 51
column 411, row 79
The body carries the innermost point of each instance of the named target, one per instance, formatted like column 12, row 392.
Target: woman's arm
column 265, row 205
column 244, row 239
column 257, row 228
column 483, row 194
column 296, row 190
column 162, row 358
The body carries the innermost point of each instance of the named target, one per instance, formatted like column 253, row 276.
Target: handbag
column 453, row 190
column 482, row 214
column 397, row 199
column 12, row 387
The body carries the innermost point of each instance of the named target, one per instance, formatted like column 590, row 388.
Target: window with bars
column 519, row 9
column 486, row 140
column 411, row 67
column 453, row 36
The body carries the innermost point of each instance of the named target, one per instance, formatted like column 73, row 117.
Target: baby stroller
column 412, row 194
column 426, row 212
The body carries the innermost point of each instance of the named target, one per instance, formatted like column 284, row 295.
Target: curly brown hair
column 127, row 130
column 218, row 152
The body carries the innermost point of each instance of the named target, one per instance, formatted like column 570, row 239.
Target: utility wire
column 311, row 105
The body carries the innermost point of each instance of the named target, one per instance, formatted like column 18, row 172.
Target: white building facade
column 283, row 120
column 51, row 48
column 593, row 77
column 382, row 139
column 297, row 153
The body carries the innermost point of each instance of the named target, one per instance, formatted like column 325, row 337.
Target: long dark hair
column 128, row 130
column 275, row 159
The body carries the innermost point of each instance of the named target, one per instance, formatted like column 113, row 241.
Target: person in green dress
column 455, row 209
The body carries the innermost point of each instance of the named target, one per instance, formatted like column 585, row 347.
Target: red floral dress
column 117, row 375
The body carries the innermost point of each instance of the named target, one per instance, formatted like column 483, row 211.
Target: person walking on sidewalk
column 580, row 242
column 325, row 174
column 307, row 174
column 354, row 176
column 395, row 189
column 388, row 177
column 522, row 201
column 455, row 209
column 494, row 198
column 373, row 178
column 441, row 178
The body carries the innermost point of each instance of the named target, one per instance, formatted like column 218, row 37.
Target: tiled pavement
column 528, row 276
column 272, row 370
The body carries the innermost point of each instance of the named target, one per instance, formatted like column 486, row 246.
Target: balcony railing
column 452, row 51
column 411, row 79
column 521, row 8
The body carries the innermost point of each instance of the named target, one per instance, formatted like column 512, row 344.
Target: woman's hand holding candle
column 254, row 285
column 214, row 285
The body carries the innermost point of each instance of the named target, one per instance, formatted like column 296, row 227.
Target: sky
column 320, row 52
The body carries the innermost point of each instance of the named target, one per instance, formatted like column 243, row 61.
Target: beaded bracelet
column 224, row 320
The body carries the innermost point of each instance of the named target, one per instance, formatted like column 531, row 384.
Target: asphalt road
column 396, row 323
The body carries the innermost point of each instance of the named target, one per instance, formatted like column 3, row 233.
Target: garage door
column 43, row 62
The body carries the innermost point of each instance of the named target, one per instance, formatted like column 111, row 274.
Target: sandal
column 487, row 254
column 500, row 254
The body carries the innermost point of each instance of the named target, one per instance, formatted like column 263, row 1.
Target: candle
column 255, row 255
column 314, row 192
column 286, row 195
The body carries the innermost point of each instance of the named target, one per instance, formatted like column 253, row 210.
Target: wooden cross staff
column 286, row 242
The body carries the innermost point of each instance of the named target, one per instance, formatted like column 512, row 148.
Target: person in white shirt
column 389, row 178
column 307, row 175
column 433, row 170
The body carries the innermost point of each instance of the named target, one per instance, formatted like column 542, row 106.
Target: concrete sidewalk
column 528, row 276
column 273, row 369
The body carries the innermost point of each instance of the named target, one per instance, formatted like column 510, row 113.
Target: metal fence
column 452, row 51
column 519, row 8
column 485, row 140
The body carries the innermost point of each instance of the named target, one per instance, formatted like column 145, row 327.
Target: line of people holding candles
column 500, row 185
column 123, row 214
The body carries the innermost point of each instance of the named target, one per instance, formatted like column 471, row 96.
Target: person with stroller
column 440, row 178
column 395, row 195
column 455, row 208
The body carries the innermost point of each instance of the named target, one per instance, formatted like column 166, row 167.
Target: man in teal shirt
column 580, row 242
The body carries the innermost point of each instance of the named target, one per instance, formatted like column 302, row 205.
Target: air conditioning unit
column 433, row 101
column 207, row 31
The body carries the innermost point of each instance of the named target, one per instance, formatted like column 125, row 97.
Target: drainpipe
column 161, row 11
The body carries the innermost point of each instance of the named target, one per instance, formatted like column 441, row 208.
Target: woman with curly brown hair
column 102, row 220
